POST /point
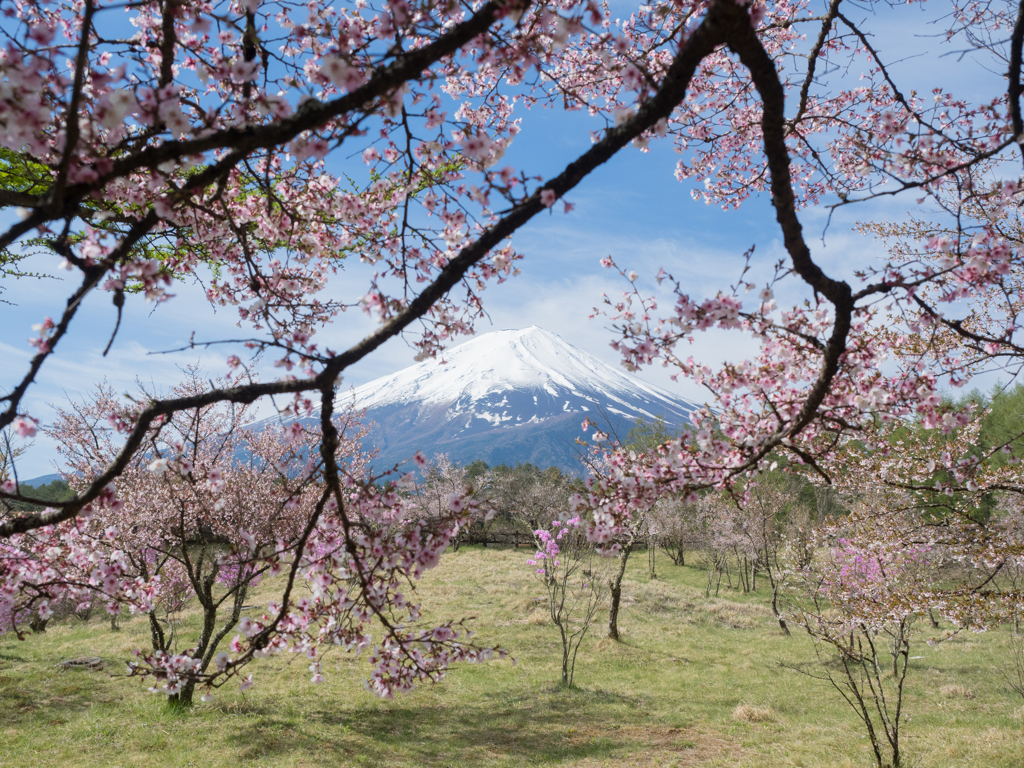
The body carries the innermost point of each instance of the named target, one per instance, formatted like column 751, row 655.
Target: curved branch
column 812, row 58
column 1013, row 89
column 71, row 122
column 10, row 197
column 957, row 326
column 93, row 275
column 62, row 511
column 711, row 33
column 752, row 54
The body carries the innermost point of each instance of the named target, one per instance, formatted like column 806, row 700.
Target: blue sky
column 632, row 209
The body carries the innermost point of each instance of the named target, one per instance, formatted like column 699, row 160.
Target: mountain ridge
column 506, row 397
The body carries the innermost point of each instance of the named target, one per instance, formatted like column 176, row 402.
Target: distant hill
column 506, row 397
column 35, row 482
column 46, row 491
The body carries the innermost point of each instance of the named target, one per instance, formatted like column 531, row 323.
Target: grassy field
column 694, row 682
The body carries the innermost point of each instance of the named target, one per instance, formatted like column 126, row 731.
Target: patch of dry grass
column 956, row 691
column 663, row 598
column 753, row 713
column 539, row 617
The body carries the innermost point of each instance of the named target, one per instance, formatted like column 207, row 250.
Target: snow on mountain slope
column 505, row 397
column 492, row 365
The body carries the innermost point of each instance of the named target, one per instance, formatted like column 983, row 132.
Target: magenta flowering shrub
column 865, row 583
column 575, row 578
column 550, row 545
column 861, row 599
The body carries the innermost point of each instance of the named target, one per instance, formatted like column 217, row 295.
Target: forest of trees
column 47, row 493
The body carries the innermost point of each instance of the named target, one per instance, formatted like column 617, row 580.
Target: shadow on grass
column 53, row 696
column 550, row 726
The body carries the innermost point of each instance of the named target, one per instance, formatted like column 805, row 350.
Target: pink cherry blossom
column 25, row 427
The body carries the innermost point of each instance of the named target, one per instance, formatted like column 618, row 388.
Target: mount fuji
column 506, row 397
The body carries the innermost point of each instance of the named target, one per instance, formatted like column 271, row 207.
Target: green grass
column 665, row 696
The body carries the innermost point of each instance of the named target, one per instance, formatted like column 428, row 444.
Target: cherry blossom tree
column 528, row 497
column 677, row 522
column 919, row 540
column 726, row 545
column 445, row 488
column 209, row 145
column 770, row 501
column 211, row 508
column 641, row 524
column 206, row 513
column 935, row 484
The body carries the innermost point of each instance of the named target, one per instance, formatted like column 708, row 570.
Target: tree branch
column 752, row 54
column 1013, row 88
column 310, row 115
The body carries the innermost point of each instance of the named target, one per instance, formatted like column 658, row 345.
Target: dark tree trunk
column 615, row 586
column 156, row 633
column 775, row 584
column 209, row 638
column 775, row 609
column 183, row 699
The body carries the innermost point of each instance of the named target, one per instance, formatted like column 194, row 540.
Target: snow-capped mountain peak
column 506, row 396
